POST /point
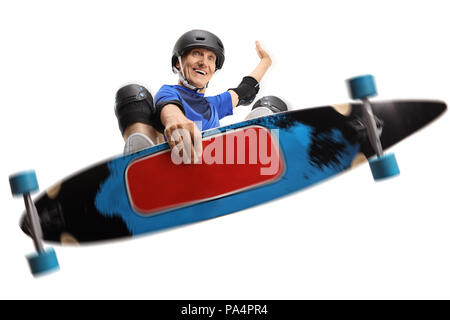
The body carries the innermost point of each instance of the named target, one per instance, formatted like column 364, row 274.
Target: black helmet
column 271, row 102
column 199, row 39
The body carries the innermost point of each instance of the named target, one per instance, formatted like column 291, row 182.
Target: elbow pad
column 247, row 90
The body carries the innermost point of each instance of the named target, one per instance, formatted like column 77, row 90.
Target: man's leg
column 135, row 113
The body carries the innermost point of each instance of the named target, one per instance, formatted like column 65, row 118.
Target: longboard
column 243, row 165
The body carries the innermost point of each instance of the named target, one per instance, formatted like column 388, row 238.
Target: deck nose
column 51, row 219
column 440, row 107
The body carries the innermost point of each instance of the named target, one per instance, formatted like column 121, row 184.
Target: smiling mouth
column 201, row 72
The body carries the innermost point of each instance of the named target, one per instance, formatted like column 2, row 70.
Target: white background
column 348, row 238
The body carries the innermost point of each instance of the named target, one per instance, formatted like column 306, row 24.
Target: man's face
column 199, row 66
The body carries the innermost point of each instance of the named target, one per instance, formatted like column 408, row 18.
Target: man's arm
column 177, row 126
column 257, row 74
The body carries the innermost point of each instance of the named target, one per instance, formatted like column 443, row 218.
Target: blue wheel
column 362, row 87
column 23, row 182
column 384, row 167
column 42, row 262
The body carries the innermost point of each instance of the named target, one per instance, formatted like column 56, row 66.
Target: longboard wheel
column 43, row 262
column 384, row 167
column 362, row 87
column 23, row 182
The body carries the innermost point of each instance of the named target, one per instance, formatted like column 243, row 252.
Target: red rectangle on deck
column 231, row 162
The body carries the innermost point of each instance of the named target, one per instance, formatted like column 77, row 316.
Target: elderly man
column 197, row 55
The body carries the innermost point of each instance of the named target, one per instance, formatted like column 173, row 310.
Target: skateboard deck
column 243, row 164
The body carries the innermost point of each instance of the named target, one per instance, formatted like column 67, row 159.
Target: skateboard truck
column 384, row 165
column 23, row 183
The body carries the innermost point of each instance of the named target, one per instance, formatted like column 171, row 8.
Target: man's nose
column 202, row 60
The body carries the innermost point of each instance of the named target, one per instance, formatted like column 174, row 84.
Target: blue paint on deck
column 300, row 172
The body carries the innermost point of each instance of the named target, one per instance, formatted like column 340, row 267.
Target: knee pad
column 266, row 106
column 271, row 102
column 134, row 103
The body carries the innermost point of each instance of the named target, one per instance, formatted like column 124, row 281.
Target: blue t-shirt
column 207, row 110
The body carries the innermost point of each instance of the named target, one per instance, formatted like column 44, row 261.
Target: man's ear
column 177, row 65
